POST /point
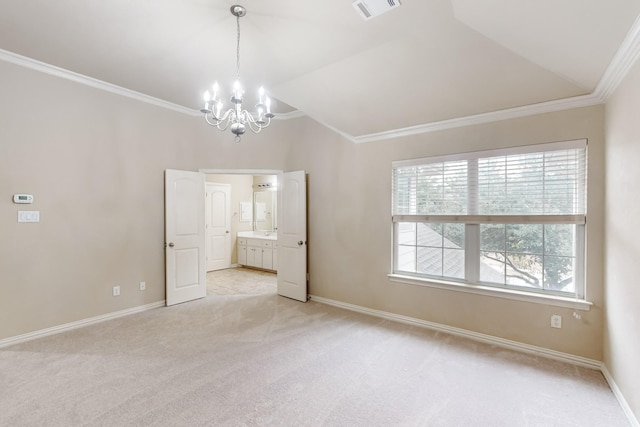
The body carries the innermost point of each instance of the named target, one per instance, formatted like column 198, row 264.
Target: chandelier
column 235, row 118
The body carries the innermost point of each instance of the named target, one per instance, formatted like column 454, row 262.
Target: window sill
column 554, row 300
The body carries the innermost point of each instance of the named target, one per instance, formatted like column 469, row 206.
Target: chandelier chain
column 238, row 48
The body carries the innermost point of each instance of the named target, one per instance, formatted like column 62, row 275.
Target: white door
column 184, row 236
column 292, row 235
column 218, row 226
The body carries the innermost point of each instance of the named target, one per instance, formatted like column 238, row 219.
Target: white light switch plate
column 28, row 216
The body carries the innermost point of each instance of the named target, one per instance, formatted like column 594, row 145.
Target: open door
column 184, row 236
column 218, row 226
column 292, row 235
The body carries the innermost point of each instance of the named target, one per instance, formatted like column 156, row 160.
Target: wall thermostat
column 23, row 198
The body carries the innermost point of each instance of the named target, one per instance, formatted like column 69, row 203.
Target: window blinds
column 548, row 180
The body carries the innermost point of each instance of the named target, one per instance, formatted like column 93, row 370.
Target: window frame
column 471, row 282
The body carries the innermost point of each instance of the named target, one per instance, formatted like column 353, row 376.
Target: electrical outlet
column 556, row 321
column 116, row 291
column 143, row 286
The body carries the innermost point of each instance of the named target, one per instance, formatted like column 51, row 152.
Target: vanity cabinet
column 242, row 251
column 258, row 253
column 275, row 255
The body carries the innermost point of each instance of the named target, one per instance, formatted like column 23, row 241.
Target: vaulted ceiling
column 423, row 62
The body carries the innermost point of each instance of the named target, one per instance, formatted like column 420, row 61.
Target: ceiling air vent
column 371, row 8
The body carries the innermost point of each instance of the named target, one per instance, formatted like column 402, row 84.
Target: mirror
column 265, row 207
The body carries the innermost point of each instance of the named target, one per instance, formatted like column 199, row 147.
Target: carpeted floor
column 249, row 360
column 241, row 281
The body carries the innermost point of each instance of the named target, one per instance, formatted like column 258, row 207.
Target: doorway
column 252, row 209
column 289, row 227
column 290, row 239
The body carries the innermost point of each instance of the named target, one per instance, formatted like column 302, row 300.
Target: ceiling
column 426, row 61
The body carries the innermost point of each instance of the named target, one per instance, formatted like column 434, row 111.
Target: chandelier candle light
column 235, row 117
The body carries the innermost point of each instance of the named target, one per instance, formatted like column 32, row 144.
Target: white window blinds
column 432, row 188
column 547, row 180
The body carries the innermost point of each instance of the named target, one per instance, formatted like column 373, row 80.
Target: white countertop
column 266, row 235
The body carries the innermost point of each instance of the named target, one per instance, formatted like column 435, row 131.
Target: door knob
column 227, row 231
column 171, row 244
column 300, row 243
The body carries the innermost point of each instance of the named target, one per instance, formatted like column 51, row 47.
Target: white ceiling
column 423, row 62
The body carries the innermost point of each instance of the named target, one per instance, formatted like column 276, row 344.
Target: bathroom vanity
column 258, row 249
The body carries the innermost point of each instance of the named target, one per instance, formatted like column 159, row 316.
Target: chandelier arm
column 254, row 125
column 226, row 115
column 213, row 120
column 254, row 128
column 260, row 127
column 223, row 122
column 250, row 117
column 212, row 123
column 266, row 124
column 223, row 125
column 228, row 118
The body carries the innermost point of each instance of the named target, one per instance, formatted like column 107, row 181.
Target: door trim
column 241, row 171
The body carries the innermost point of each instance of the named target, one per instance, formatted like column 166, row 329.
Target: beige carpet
column 249, row 360
column 241, row 281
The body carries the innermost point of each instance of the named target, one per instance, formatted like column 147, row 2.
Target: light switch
column 28, row 216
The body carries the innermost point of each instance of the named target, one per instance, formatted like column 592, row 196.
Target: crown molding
column 476, row 119
column 52, row 70
column 626, row 56
column 623, row 60
column 295, row 114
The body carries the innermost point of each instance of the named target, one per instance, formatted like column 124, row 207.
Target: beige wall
column 95, row 165
column 622, row 321
column 350, row 230
column 241, row 191
column 265, row 179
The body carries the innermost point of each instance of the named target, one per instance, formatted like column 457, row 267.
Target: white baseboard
column 78, row 324
column 504, row 343
column 514, row 345
column 618, row 394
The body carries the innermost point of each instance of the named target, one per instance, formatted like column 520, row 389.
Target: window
column 511, row 218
